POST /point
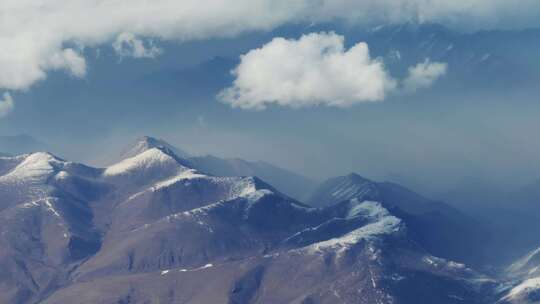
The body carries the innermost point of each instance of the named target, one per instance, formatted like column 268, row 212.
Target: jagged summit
column 342, row 188
column 146, row 143
column 355, row 186
column 288, row 182
column 356, row 177
column 147, row 159
column 36, row 166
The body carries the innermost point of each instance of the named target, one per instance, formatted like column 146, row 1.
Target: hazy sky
column 321, row 87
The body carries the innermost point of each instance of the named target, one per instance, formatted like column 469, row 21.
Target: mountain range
column 290, row 183
column 154, row 228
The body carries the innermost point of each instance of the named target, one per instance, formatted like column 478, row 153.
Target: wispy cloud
column 423, row 75
column 6, row 104
column 70, row 60
column 128, row 45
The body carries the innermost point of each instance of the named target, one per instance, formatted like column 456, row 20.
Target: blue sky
column 447, row 91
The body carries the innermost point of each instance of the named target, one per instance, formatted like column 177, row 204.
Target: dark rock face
column 246, row 288
column 150, row 229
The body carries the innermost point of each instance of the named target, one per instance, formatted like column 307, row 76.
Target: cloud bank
column 6, row 104
column 35, row 35
column 317, row 70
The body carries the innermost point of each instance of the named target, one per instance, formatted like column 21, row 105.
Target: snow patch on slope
column 382, row 223
column 243, row 188
column 234, row 187
column 7, row 163
column 444, row 264
column 521, row 264
column 238, row 188
column 386, row 225
column 62, row 175
column 186, row 175
column 36, row 167
column 369, row 209
column 522, row 290
column 47, row 203
column 147, row 160
column 51, row 208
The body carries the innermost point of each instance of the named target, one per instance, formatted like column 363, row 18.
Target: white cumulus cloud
column 423, row 75
column 317, row 69
column 6, row 104
column 313, row 70
column 128, row 45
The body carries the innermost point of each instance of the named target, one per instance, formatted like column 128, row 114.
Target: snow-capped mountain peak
column 35, row 166
column 147, row 143
column 146, row 160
